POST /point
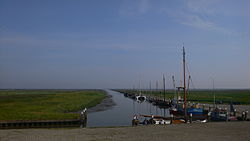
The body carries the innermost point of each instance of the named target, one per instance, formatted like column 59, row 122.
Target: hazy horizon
column 95, row 44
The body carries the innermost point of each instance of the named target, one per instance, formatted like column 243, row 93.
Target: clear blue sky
column 114, row 43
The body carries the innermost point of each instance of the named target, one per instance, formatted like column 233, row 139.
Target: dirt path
column 231, row 131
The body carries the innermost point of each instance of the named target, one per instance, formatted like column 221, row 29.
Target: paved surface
column 231, row 131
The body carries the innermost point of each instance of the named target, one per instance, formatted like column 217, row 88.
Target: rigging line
column 181, row 74
column 150, row 92
column 189, row 78
column 179, row 53
column 192, row 82
column 188, row 70
column 175, row 97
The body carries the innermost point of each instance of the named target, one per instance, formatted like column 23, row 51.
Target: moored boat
column 150, row 119
column 141, row 98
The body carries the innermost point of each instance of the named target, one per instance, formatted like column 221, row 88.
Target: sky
column 92, row 44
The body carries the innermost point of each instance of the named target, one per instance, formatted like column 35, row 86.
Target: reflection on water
column 122, row 113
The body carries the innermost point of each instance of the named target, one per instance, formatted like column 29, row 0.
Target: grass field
column 206, row 96
column 46, row 104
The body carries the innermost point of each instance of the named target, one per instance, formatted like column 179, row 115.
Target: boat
column 219, row 114
column 195, row 111
column 150, row 119
column 162, row 103
column 141, row 98
column 180, row 107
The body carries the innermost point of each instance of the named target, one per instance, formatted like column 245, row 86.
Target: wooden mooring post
column 191, row 117
column 83, row 118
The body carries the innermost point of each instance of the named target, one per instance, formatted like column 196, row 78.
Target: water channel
column 122, row 113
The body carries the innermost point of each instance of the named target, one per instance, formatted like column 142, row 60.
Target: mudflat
column 105, row 104
column 215, row 131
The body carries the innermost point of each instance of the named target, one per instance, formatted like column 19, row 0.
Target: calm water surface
column 122, row 113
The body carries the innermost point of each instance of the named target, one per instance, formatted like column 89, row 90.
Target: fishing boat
column 180, row 107
column 219, row 114
column 150, row 119
column 162, row 103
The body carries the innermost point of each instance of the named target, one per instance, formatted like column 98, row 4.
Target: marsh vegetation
column 46, row 104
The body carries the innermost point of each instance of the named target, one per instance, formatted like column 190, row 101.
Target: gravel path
column 220, row 131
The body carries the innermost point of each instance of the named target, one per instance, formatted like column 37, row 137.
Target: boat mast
column 140, row 86
column 175, row 97
column 150, row 96
column 213, row 93
column 164, row 90
column 150, row 91
column 184, row 83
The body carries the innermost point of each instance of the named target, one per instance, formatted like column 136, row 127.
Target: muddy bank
column 219, row 131
column 107, row 103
